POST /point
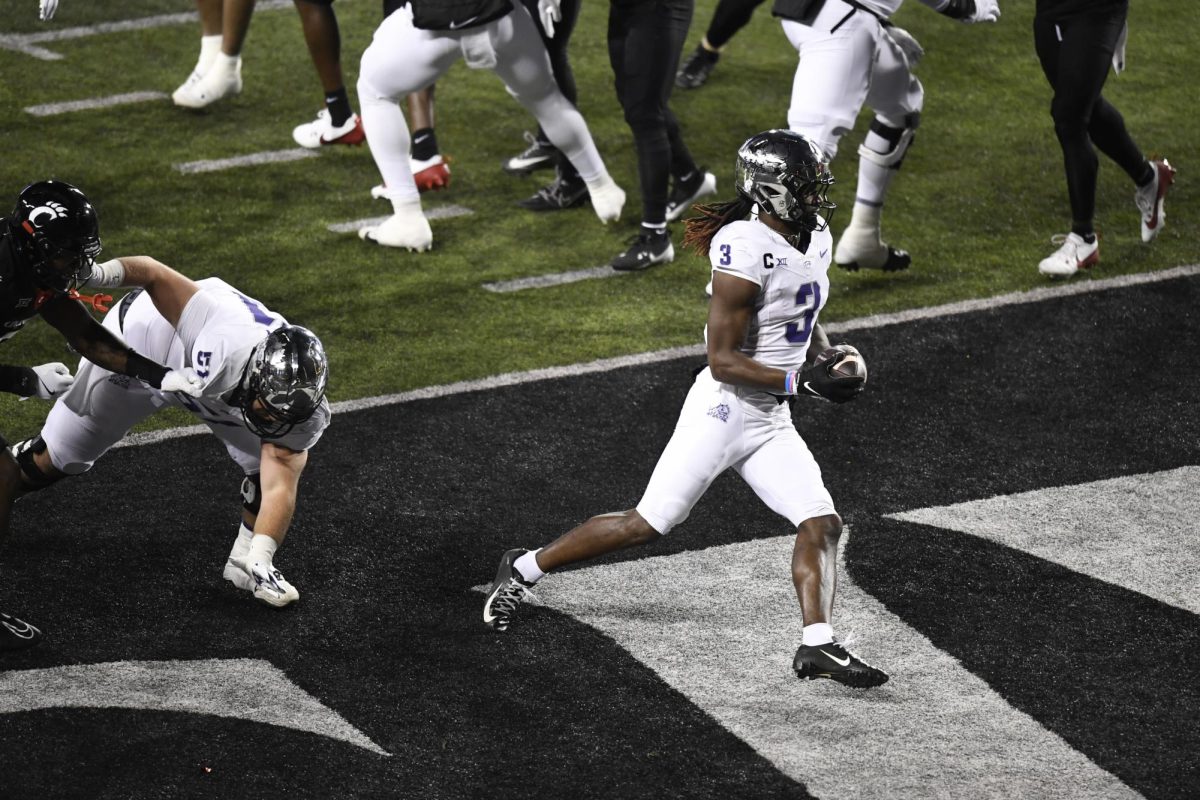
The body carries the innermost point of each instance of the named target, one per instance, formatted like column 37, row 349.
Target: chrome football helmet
column 57, row 233
column 284, row 381
column 787, row 175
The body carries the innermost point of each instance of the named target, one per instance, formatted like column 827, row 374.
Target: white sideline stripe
column 437, row 212
column 50, row 109
column 732, row 658
column 253, row 159
column 27, row 42
column 556, row 279
column 242, row 688
column 1097, row 529
column 1017, row 298
column 639, row 359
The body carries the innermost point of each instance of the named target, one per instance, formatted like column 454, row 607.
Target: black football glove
column 819, row 380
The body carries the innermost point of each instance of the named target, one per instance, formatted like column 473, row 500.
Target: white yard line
column 253, row 159
column 50, row 109
column 437, row 212
column 27, row 43
column 555, row 279
column 639, row 359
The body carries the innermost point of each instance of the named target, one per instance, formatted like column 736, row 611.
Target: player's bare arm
column 169, row 289
column 100, row 346
column 729, row 315
column 280, row 477
column 95, row 342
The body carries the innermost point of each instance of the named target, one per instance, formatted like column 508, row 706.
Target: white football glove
column 985, row 11
column 46, row 9
column 907, row 43
column 53, row 379
column 549, row 12
column 182, row 380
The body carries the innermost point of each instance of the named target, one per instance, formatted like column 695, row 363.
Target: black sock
column 424, row 144
column 1147, row 176
column 338, row 103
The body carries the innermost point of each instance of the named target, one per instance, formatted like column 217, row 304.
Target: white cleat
column 188, row 87
column 322, row 131
column 607, row 199
column 269, row 585
column 407, row 229
column 220, row 81
column 237, row 576
column 1072, row 256
column 861, row 247
column 1150, row 200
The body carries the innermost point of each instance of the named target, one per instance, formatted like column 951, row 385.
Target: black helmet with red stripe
column 57, row 234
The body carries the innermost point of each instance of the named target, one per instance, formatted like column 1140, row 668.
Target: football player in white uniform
column 414, row 47
column 850, row 55
column 263, row 396
column 765, row 346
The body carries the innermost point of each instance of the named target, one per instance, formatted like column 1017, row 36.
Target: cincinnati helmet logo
column 46, row 213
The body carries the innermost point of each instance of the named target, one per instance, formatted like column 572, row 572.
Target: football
column 846, row 362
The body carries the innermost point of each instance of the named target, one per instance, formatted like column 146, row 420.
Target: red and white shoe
column 1073, row 255
column 1150, row 198
column 322, row 131
column 431, row 173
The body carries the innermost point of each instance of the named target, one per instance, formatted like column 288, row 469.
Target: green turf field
column 980, row 194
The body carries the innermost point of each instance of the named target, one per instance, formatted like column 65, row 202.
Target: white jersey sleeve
column 735, row 250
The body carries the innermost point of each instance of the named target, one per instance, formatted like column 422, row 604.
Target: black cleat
column 836, row 663
column 686, row 192
column 562, row 193
column 645, row 250
column 695, row 71
column 506, row 592
column 17, row 634
column 539, row 154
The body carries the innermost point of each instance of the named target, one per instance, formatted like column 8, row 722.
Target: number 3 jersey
column 793, row 287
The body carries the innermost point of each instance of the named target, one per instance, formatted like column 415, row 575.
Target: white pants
column 840, row 71
column 722, row 426
column 403, row 59
column 101, row 406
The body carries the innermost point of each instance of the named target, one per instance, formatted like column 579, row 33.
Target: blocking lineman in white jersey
column 262, row 395
column 850, row 54
column 414, row 47
column 765, row 347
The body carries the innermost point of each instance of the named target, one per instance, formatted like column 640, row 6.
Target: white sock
column 209, row 47
column 817, row 634
column 241, row 545
column 528, row 567
column 408, row 206
column 226, row 64
column 865, row 216
column 262, row 549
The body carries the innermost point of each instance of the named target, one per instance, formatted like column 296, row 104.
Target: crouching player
column 263, row 396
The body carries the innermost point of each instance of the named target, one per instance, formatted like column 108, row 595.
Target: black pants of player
column 645, row 39
column 729, row 17
column 564, row 76
column 1075, row 54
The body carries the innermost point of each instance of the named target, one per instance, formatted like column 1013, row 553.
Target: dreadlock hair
column 699, row 231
